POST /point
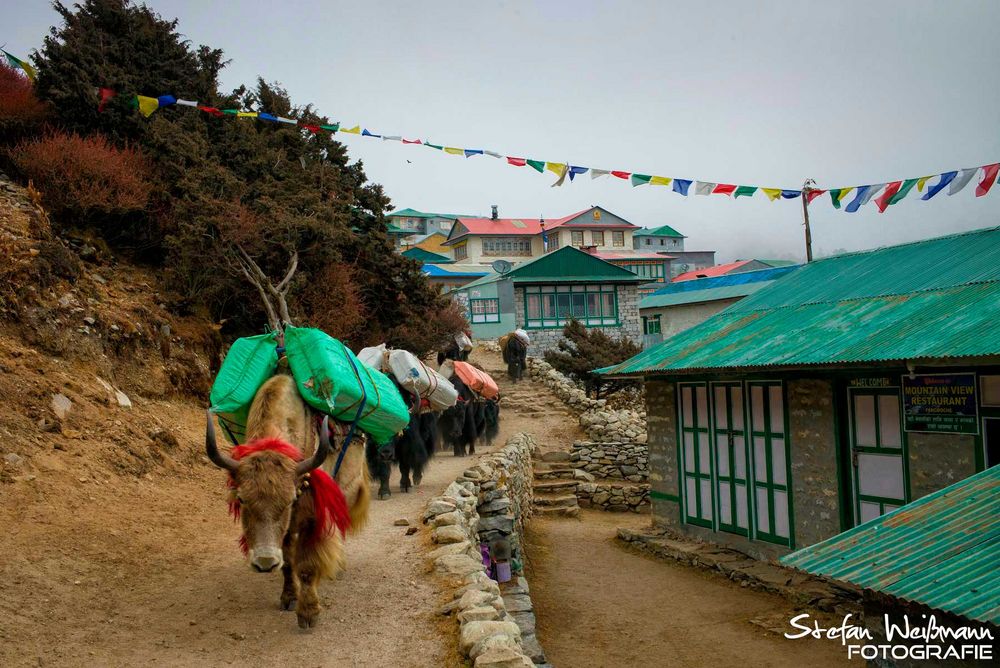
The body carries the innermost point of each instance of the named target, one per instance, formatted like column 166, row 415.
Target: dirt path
column 600, row 604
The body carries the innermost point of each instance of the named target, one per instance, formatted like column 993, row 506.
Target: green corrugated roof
column 570, row 264
column 707, row 295
column 422, row 255
column 661, row 231
column 413, row 213
column 941, row 551
column 938, row 298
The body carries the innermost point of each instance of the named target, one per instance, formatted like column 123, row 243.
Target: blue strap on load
column 357, row 418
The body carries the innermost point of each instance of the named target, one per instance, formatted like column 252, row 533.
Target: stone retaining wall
column 628, row 461
column 490, row 499
column 613, row 498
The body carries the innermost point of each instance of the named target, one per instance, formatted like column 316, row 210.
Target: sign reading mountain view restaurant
column 944, row 403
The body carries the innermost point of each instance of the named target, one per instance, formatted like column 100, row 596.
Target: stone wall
column 938, row 460
column 489, row 500
column 628, row 461
column 662, row 444
column 600, row 423
column 547, row 339
column 613, row 498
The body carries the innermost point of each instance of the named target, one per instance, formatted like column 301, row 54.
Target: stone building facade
column 547, row 338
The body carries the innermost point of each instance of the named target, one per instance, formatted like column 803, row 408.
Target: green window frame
column 696, row 467
column 484, row 310
column 732, row 466
column 651, row 324
column 878, row 446
column 551, row 307
column 770, row 463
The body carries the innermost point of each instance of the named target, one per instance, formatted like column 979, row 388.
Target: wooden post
column 807, row 188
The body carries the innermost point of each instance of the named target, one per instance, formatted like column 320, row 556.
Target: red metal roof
column 717, row 270
column 525, row 226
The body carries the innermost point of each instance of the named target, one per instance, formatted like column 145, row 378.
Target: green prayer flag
column 745, row 190
column 903, row 190
column 434, row 146
column 835, row 196
column 331, row 128
column 232, row 112
column 537, row 164
column 640, row 179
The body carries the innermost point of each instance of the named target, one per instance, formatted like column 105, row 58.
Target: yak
column 411, row 450
column 515, row 355
column 293, row 514
column 457, row 424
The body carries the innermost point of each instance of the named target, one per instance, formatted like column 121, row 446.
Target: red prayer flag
column 989, row 178
column 724, row 189
column 210, row 110
column 311, row 128
column 517, row 162
column 813, row 194
column 621, row 175
column 106, row 95
column 882, row 201
column 412, row 141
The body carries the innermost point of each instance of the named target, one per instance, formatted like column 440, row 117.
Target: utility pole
column 807, row 188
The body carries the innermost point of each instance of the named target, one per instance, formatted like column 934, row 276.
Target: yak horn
column 223, row 461
column 322, row 450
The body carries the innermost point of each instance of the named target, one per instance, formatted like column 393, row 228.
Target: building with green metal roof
column 838, row 393
column 425, row 256
column 542, row 294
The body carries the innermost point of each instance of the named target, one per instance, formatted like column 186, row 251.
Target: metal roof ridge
column 916, row 242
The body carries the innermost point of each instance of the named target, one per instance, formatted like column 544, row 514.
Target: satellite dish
column 501, row 266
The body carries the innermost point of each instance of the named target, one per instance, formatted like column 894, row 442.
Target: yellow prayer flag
column 147, row 105
column 246, row 114
column 556, row 168
column 356, row 130
column 454, row 151
column 921, row 182
column 660, row 181
column 772, row 193
column 29, row 70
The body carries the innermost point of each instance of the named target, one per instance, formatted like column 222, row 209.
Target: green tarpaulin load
column 249, row 362
column 330, row 378
column 324, row 374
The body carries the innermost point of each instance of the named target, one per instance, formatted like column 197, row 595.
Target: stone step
column 560, row 501
column 554, row 474
column 553, row 486
column 557, row 511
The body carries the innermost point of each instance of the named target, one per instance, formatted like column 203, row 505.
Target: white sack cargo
column 463, row 341
column 523, row 335
column 372, row 357
column 416, row 377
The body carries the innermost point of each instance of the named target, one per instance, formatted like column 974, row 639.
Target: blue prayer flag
column 858, row 199
column 946, row 178
column 790, row 194
column 681, row 186
column 166, row 100
column 365, row 133
column 574, row 170
column 473, row 151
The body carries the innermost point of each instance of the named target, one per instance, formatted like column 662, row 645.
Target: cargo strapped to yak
column 354, row 423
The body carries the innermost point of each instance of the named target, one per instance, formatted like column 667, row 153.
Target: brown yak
column 293, row 515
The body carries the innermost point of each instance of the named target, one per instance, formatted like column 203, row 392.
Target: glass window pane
column 880, row 475
column 759, row 459
column 722, row 454
column 725, row 503
column 608, row 305
column 721, row 414
column 864, row 420
column 706, row 499
column 742, row 512
column 702, row 413
column 757, row 407
column 593, row 305
column 691, row 497
column 704, row 456
column 778, row 461
column 687, row 404
column 763, row 519
column 869, row 511
column 579, row 305
column 776, row 405
column 888, row 421
column 689, row 452
column 548, row 306
column 739, row 458
column 564, row 306
column 737, row 403
column 781, row 513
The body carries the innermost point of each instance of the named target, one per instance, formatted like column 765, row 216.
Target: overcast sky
column 765, row 94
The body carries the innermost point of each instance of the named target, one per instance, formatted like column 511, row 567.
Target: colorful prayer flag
column 166, row 100
column 883, row 201
column 772, row 193
column 517, row 162
column 557, row 168
column 595, row 173
column 356, row 130
column 964, row 176
column 574, row 170
column 28, row 69
column 331, row 128
column 920, row 183
column 106, row 94
column 703, row 188
column 904, row 190
column 412, row 141
column 660, row 181
column 310, row 127
column 537, row 165
column 989, row 178
column 493, row 154
column 211, row 110
column 187, row 103
column 288, row 121
column 837, row 195
column 856, row 203
column 620, row 174
column 246, row 114
column 426, row 143
column 473, row 151
column 641, row 179
column 946, row 178
column 724, row 189
column 681, row 186
column 790, row 194
column 745, row 191
column 454, row 151
column 366, row 133
column 147, row 105
column 813, row 194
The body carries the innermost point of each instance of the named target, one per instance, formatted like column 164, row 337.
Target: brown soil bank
column 599, row 604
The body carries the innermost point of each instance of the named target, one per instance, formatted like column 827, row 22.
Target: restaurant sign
column 944, row 403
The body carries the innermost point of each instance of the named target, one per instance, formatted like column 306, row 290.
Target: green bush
column 583, row 350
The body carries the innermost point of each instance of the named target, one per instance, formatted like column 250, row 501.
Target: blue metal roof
column 438, row 271
column 942, row 551
column 726, row 280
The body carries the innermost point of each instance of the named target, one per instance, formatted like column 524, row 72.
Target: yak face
column 266, row 485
